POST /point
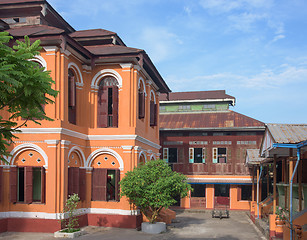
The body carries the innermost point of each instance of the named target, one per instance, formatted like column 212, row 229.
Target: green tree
column 24, row 88
column 153, row 186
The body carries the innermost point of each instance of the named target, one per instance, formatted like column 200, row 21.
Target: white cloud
column 281, row 77
column 160, row 43
column 245, row 21
column 278, row 37
column 187, row 9
column 224, row 6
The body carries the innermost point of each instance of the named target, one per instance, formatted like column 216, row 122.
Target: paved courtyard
column 188, row 225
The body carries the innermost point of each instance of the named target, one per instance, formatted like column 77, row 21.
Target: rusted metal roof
column 288, row 133
column 227, row 119
column 253, row 156
column 111, row 49
column 34, row 30
column 92, row 33
column 197, row 95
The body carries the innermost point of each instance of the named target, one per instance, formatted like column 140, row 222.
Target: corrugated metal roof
column 227, row 119
column 288, row 133
column 111, row 49
column 197, row 95
column 253, row 156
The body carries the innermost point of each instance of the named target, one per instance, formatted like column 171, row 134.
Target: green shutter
column 191, row 155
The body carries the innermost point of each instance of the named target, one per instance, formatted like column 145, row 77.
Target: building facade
column 105, row 123
column 205, row 140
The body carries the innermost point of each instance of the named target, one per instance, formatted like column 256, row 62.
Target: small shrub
column 153, row 186
column 71, row 223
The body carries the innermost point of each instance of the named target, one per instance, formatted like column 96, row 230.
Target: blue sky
column 254, row 49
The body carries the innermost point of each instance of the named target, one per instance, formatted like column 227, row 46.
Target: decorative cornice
column 50, row 48
column 85, row 136
column 65, row 142
column 126, row 65
column 53, row 142
column 137, row 67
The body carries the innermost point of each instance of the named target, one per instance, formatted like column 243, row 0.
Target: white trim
column 154, row 95
column 66, row 52
column 50, row 48
column 41, row 60
column 104, row 73
column 24, row 147
column 80, row 211
column 86, row 67
column 75, row 67
column 139, row 83
column 126, row 65
column 100, row 151
column 140, row 154
column 113, row 211
column 147, row 142
column 152, row 157
column 79, row 152
column 55, row 142
column 84, row 136
column 65, row 142
column 200, row 101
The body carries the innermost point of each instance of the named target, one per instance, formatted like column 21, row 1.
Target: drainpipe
column 258, row 181
column 291, row 192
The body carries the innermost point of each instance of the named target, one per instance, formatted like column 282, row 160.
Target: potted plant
column 71, row 225
column 281, row 215
column 151, row 187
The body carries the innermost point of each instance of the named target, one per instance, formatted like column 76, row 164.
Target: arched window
column 141, row 101
column 71, row 97
column 107, row 112
column 153, row 111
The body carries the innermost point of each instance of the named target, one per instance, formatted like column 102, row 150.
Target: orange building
column 105, row 123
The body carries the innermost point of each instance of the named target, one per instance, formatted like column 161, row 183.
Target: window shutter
column 115, row 106
column 72, row 91
column 13, row 184
column 204, row 155
column 214, row 155
column 76, row 180
column 82, row 184
column 239, row 192
column 28, row 185
column 43, row 186
column 1, row 173
column 141, row 105
column 117, row 188
column 70, row 181
column 191, row 155
column 102, row 108
column 152, row 113
column 165, row 154
column 99, row 184
column 155, row 114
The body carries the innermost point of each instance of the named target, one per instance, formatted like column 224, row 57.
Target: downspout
column 258, row 181
column 291, row 192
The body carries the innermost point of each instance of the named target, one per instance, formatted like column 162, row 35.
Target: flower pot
column 153, row 228
column 279, row 222
column 61, row 234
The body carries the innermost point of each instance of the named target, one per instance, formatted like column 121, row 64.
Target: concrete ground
column 188, row 225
